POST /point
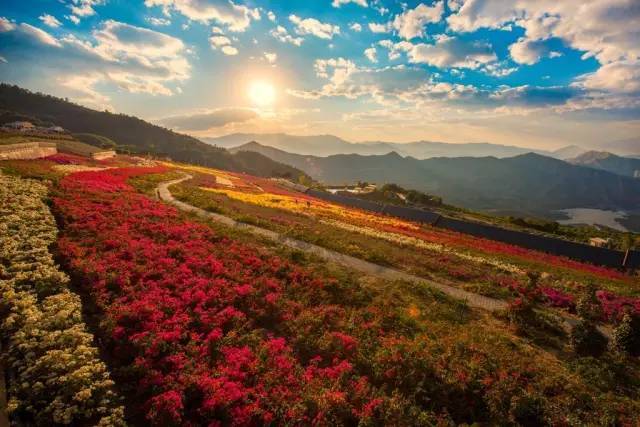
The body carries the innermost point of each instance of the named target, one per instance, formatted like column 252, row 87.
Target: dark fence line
column 577, row 251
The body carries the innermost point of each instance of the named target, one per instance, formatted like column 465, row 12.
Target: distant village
column 28, row 127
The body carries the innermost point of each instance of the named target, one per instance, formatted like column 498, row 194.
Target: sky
column 534, row 73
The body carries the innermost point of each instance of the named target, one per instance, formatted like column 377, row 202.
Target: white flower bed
column 54, row 371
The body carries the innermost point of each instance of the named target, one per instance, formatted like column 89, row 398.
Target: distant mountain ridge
column 133, row 134
column 626, row 166
column 524, row 184
column 328, row 145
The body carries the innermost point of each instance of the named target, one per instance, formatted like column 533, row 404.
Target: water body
column 594, row 217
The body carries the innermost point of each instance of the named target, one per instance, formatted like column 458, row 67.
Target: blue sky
column 536, row 73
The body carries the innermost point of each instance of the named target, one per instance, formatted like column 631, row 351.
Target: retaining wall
column 27, row 150
column 577, row 251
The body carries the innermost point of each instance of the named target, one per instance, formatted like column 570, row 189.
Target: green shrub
column 587, row 340
column 588, row 306
column 626, row 336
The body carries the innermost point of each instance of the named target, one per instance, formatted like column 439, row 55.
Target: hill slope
column 133, row 134
column 528, row 183
column 609, row 162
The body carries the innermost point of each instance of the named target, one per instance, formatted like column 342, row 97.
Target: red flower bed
column 66, row 159
column 210, row 331
column 201, row 317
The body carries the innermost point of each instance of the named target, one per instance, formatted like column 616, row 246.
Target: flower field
column 480, row 265
column 205, row 329
column 55, row 375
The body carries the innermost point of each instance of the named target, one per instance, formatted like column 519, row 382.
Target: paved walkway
column 472, row 300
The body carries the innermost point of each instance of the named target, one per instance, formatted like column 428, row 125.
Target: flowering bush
column 492, row 268
column 217, row 332
column 66, row 159
column 55, row 374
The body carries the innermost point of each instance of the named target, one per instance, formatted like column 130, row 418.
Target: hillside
column 327, row 145
column 528, row 183
column 131, row 134
column 192, row 322
column 609, row 162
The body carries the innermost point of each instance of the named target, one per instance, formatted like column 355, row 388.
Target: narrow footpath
column 471, row 299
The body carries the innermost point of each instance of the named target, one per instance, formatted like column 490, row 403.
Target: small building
column 599, row 242
column 55, row 129
column 19, row 126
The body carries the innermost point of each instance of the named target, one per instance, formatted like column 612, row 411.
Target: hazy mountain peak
column 327, row 145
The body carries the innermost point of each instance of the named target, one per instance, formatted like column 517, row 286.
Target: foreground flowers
column 55, row 374
column 210, row 331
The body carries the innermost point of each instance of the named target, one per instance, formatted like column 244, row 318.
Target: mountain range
column 626, row 166
column 524, row 184
column 328, row 145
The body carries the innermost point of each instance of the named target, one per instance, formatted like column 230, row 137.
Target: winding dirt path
column 471, row 299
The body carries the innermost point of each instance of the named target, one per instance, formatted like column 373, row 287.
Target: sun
column 262, row 93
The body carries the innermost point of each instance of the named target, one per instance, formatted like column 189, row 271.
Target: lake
column 593, row 217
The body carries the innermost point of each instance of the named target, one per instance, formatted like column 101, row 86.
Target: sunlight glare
column 262, row 93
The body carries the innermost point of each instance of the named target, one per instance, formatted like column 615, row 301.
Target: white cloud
column 135, row 59
column 50, row 20
column 455, row 5
column 81, row 89
column 205, row 120
column 84, row 8
column 498, row 69
column 221, row 42
column 38, row 35
column 338, row 3
column 314, row 27
column 617, row 77
column 281, row 34
column 271, row 16
column 120, row 38
column 3, row 60
column 6, row 25
column 527, row 51
column 73, row 19
column 271, row 57
column 395, row 49
column 447, row 52
column 236, row 17
column 371, row 54
column 229, row 50
column 356, row 27
column 410, row 24
column 378, row 28
column 218, row 41
column 158, row 22
column 606, row 29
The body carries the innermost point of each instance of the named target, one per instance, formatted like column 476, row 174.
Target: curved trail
column 471, row 299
